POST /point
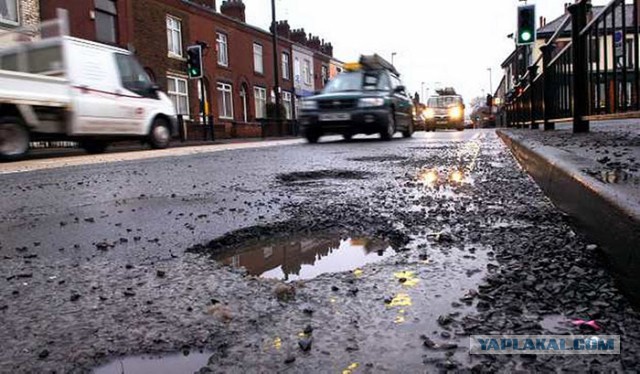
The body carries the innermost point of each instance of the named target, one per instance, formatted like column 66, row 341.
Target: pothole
column 389, row 158
column 305, row 176
column 167, row 364
column 299, row 258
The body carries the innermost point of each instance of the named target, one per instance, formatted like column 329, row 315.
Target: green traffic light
column 525, row 36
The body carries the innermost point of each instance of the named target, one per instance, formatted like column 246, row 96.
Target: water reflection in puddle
column 170, row 364
column 298, row 259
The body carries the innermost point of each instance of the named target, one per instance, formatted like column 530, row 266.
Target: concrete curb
column 608, row 215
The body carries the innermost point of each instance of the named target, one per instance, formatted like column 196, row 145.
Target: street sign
column 618, row 40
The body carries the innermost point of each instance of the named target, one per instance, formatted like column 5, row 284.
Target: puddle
column 305, row 176
column 297, row 259
column 171, row 364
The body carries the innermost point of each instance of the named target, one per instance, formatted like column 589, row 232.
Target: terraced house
column 238, row 60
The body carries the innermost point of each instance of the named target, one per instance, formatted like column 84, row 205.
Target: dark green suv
column 368, row 98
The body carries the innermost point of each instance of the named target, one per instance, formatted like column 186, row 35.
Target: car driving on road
column 368, row 98
column 445, row 111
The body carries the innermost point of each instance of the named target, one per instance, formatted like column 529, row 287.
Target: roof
column 550, row 28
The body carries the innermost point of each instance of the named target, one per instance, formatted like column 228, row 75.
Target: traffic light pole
column 276, row 72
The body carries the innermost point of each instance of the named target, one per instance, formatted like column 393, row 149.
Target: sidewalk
column 593, row 177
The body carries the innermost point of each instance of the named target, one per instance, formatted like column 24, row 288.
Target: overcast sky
column 446, row 42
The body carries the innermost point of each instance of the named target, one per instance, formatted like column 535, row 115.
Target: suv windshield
column 358, row 81
column 444, row 101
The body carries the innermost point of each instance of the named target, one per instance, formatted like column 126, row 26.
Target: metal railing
column 594, row 76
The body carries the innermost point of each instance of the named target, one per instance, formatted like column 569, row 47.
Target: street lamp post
column 393, row 55
column 276, row 73
column 422, row 91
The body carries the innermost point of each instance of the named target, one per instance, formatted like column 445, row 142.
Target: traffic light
column 194, row 62
column 526, row 25
column 489, row 100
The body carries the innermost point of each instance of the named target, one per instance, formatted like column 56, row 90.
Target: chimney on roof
column 283, row 28
column 299, row 36
column 326, row 48
column 314, row 43
column 208, row 3
column 543, row 21
column 234, row 9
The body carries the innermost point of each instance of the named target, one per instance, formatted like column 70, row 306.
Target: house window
column 288, row 104
column 258, row 64
column 296, row 70
column 306, row 71
column 106, row 21
column 9, row 12
column 260, row 101
column 285, row 66
column 245, row 102
column 174, row 36
column 178, row 93
column 325, row 75
column 630, row 53
column 223, row 50
column 225, row 100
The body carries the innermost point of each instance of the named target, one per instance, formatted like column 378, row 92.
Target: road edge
column 608, row 216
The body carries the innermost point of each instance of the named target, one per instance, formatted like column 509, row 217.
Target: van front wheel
column 160, row 134
column 14, row 139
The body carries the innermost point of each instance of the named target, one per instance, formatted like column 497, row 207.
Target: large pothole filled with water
column 166, row 364
column 299, row 258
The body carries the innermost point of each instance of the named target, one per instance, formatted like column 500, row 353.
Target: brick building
column 19, row 14
column 239, row 73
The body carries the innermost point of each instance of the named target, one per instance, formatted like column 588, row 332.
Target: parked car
column 445, row 111
column 71, row 89
column 482, row 117
column 368, row 98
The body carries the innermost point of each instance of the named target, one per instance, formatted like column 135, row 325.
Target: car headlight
column 455, row 112
column 370, row 102
column 309, row 105
column 429, row 113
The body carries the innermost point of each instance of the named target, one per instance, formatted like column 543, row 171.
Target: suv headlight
column 455, row 112
column 429, row 113
column 370, row 102
column 309, row 105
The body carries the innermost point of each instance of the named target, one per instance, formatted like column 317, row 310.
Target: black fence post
column 547, row 84
column 181, row 131
column 580, row 66
column 211, row 127
column 533, row 71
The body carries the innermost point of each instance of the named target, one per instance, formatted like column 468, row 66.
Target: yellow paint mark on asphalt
column 277, row 343
column 350, row 368
column 357, row 272
column 399, row 319
column 401, row 299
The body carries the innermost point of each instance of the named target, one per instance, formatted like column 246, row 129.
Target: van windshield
column 358, row 81
column 444, row 101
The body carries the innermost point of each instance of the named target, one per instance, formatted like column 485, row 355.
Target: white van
column 66, row 88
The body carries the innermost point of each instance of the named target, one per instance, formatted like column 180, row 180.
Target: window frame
column 306, row 72
column 112, row 14
column 287, row 97
column 255, row 56
column 12, row 23
column 170, row 32
column 225, row 43
column 286, row 66
column 263, row 101
column 176, row 79
column 223, row 88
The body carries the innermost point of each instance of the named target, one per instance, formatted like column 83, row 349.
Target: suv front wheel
column 387, row 133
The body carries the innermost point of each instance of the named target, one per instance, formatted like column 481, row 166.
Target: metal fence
column 595, row 76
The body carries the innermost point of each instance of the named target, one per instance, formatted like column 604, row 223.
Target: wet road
column 132, row 255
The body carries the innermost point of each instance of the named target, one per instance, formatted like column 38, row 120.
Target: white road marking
column 62, row 162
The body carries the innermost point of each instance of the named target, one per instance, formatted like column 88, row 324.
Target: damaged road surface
column 351, row 257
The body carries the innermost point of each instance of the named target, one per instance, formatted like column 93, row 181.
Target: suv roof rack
column 447, row 91
column 375, row 62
